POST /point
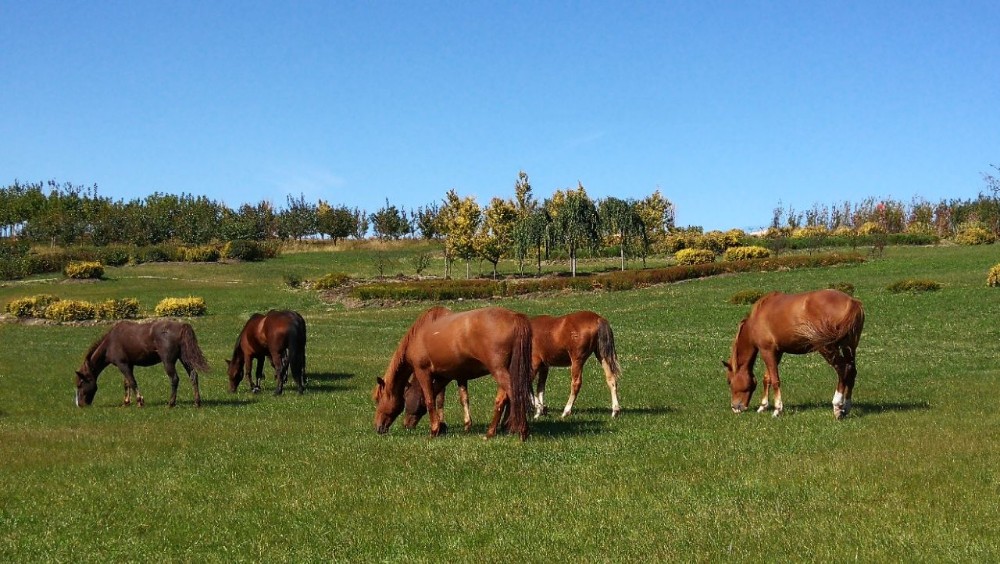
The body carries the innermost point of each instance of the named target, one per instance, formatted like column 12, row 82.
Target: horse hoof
column 762, row 409
column 616, row 413
column 776, row 413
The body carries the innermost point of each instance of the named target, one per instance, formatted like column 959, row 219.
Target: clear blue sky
column 726, row 107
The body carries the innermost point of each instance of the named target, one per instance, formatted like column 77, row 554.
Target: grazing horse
column 442, row 345
column 568, row 340
column 825, row 321
column 277, row 335
column 129, row 344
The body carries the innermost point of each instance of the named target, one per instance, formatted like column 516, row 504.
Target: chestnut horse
column 277, row 335
column 129, row 344
column 825, row 321
column 442, row 345
column 568, row 340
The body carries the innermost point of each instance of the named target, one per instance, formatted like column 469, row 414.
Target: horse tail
column 301, row 357
column 191, row 354
column 520, row 377
column 606, row 347
column 856, row 324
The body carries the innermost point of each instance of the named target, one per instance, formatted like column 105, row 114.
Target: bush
column 240, row 249
column 974, row 236
column 332, row 280
column 292, row 280
column 993, row 278
column 746, row 297
column 180, row 307
column 155, row 253
column 125, row 308
column 845, row 287
column 745, row 253
column 689, row 257
column 84, row 270
column 33, row 306
column 913, row 286
column 113, row 255
column 71, row 310
column 203, row 253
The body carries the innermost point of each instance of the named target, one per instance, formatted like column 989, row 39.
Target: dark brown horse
column 442, row 345
column 825, row 321
column 277, row 335
column 568, row 340
column 129, row 344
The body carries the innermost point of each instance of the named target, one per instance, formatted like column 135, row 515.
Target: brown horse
column 129, row 344
column 277, row 335
column 568, row 340
column 825, row 321
column 442, row 345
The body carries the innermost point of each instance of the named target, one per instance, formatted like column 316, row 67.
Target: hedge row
column 47, row 306
column 612, row 281
column 17, row 260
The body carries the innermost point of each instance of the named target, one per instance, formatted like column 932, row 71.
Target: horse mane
column 398, row 360
column 93, row 348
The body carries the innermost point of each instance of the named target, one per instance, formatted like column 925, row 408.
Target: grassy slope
column 910, row 475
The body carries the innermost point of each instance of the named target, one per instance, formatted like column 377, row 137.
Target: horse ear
column 727, row 365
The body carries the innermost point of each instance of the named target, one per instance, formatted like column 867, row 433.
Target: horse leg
column 842, row 360
column 280, row 362
column 260, row 372
column 131, row 387
column 430, row 389
column 771, row 378
column 612, row 379
column 171, row 369
column 764, row 405
column 193, row 375
column 498, row 409
column 576, row 380
column 542, row 372
column 463, row 396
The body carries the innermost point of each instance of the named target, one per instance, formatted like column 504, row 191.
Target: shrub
column 845, row 287
column 155, row 253
column 974, row 236
column 125, row 308
column 331, row 280
column 746, row 297
column 241, row 249
column 913, row 286
column 84, row 270
column 292, row 280
column 688, row 257
column 271, row 248
column 33, row 306
column 810, row 232
column 181, row 307
column 993, row 278
column 113, row 255
column 70, row 310
column 202, row 253
column 745, row 253
column 870, row 228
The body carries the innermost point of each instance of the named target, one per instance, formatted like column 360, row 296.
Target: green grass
column 910, row 475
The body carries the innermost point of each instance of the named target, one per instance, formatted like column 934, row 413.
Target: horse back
column 556, row 341
column 465, row 344
column 807, row 321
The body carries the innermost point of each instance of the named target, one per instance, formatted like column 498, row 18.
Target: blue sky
column 726, row 107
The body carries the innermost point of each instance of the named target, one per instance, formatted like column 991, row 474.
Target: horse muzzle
column 738, row 408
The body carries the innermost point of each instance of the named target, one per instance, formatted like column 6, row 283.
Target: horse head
column 742, row 383
column 388, row 405
column 234, row 370
column 86, row 387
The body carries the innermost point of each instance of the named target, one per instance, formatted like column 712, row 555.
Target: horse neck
column 744, row 351
column 96, row 359
column 399, row 369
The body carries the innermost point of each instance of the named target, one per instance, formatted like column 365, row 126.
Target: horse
column 569, row 340
column 129, row 344
column 277, row 335
column 825, row 321
column 442, row 345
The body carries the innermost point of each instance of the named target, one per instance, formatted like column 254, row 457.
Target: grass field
column 911, row 475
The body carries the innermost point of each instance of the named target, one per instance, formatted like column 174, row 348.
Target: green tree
column 427, row 221
column 336, row 223
column 621, row 223
column 529, row 234
column 460, row 219
column 657, row 214
column 575, row 223
column 390, row 222
column 495, row 235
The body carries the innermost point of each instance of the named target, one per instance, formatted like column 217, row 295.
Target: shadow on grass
column 863, row 408
column 327, row 381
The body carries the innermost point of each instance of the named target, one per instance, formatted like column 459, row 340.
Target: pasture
column 911, row 474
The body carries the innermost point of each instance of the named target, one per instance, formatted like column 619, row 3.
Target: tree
column 427, row 222
column 337, row 223
column 529, row 233
column 575, row 223
column 495, row 236
column 525, row 201
column 361, row 224
column 460, row 219
column 620, row 221
column 298, row 219
column 657, row 214
column 390, row 222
